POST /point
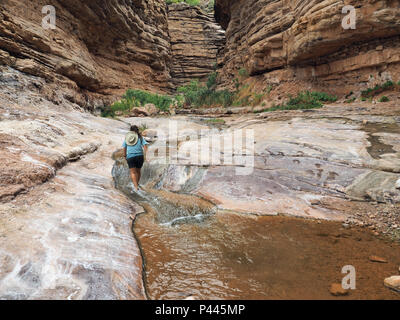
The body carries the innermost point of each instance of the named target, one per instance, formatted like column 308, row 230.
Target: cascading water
column 170, row 208
column 192, row 249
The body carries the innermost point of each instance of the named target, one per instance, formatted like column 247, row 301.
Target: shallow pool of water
column 231, row 256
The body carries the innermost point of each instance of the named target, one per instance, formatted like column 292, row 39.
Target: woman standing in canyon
column 135, row 149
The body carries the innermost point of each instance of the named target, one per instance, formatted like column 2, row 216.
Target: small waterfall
column 170, row 208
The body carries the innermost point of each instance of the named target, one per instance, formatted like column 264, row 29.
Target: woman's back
column 136, row 150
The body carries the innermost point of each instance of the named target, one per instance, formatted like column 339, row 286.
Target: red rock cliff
column 303, row 40
column 99, row 47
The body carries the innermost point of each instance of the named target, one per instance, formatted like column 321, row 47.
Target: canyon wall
column 101, row 48
column 196, row 40
column 98, row 49
column 303, row 42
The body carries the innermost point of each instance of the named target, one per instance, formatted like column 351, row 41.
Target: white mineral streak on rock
column 70, row 238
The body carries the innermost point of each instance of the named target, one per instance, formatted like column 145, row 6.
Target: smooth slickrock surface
column 308, row 167
column 296, row 42
column 68, row 238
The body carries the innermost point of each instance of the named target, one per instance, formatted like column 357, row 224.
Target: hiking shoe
column 132, row 188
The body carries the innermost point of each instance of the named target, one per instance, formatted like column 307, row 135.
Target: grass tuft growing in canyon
column 196, row 94
column 137, row 98
column 371, row 92
column 189, row 2
column 304, row 100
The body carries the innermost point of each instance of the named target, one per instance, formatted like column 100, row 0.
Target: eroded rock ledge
column 303, row 42
column 99, row 48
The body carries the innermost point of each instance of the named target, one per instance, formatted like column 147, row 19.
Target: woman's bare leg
column 135, row 178
column 138, row 174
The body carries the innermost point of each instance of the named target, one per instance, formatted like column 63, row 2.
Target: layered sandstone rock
column 195, row 41
column 100, row 46
column 68, row 238
column 304, row 41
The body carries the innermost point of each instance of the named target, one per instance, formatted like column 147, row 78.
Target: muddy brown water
column 232, row 256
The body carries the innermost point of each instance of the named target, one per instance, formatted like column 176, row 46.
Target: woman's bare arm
column 125, row 152
column 145, row 152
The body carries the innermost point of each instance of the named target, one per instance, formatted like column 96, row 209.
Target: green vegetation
column 162, row 102
column 209, row 7
column 143, row 127
column 243, row 73
column 351, row 100
column 134, row 99
column 370, row 92
column 384, row 99
column 304, row 100
column 190, row 2
column 216, row 121
column 198, row 95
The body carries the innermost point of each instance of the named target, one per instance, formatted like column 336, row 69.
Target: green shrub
column 351, row 100
column 304, row 100
column 216, row 121
column 134, row 99
column 384, row 99
column 212, row 80
column 370, row 92
column 322, row 96
column 190, row 2
column 162, row 102
column 243, row 73
column 197, row 95
column 143, row 127
column 257, row 98
column 237, row 84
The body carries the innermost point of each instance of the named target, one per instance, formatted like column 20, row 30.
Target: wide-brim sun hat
column 131, row 138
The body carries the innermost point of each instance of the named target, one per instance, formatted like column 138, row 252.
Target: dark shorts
column 135, row 162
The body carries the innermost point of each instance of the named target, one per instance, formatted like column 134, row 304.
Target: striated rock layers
column 195, row 42
column 68, row 238
column 98, row 48
column 304, row 42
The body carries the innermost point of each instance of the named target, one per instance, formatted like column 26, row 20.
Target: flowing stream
column 192, row 249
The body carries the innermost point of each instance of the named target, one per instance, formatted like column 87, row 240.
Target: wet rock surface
column 65, row 231
column 316, row 166
column 234, row 256
column 81, row 245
